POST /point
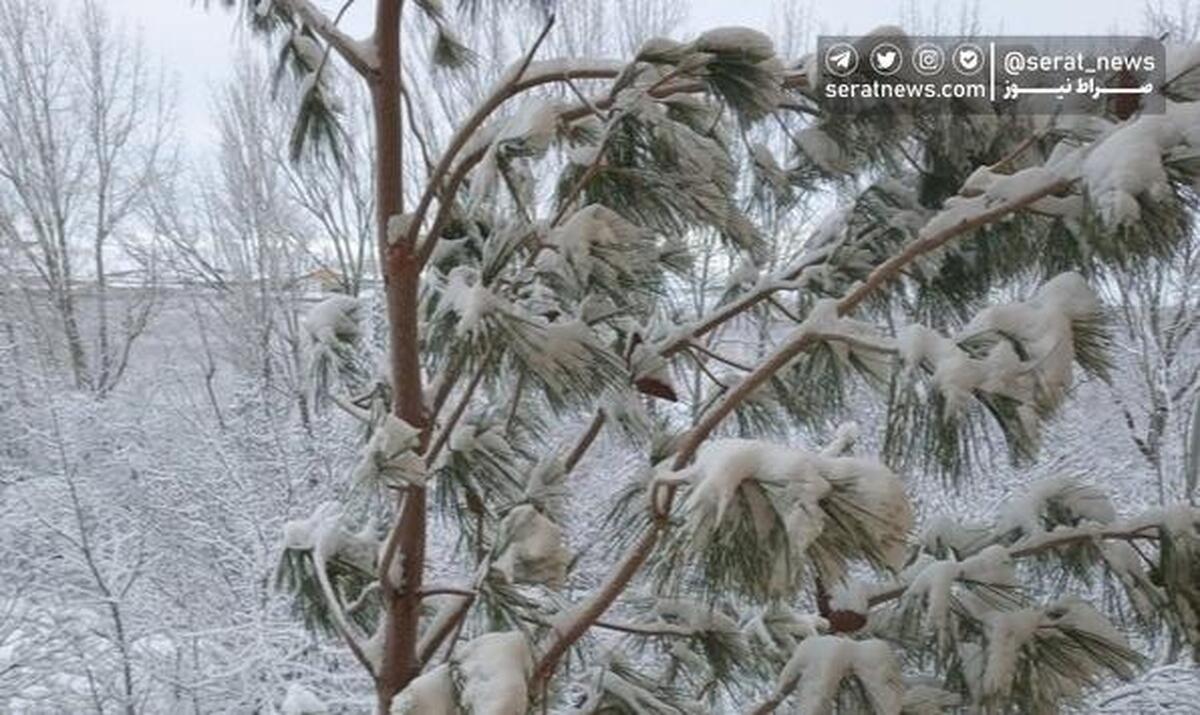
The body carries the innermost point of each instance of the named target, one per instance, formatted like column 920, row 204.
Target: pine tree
column 531, row 283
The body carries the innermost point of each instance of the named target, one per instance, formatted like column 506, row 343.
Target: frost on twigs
column 487, row 676
column 1014, row 362
column 758, row 514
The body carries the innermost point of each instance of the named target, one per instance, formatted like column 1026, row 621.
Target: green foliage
column 296, row 575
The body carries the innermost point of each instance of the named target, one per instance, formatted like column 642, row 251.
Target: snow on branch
column 488, row 677
column 819, row 667
column 359, row 55
column 757, row 512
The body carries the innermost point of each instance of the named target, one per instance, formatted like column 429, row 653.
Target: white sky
column 196, row 45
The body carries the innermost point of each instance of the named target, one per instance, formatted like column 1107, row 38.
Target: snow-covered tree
column 753, row 560
column 85, row 131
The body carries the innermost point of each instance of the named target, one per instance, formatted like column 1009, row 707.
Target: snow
column 1042, row 325
column 820, row 664
column 527, row 133
column 464, row 294
column 390, row 456
column 698, row 617
column 933, row 582
column 745, row 274
column 430, row 694
column 308, row 50
column 533, row 549
column 751, row 44
column 333, row 318
column 1128, row 163
column 647, row 362
column 324, row 535
column 299, row 700
column 799, row 480
column 565, row 347
column 943, row 532
column 302, row 534
column 592, row 229
column 397, row 227
column 492, row 670
column 722, row 465
column 850, row 595
column 1007, row 633
column 1082, row 502
column 822, row 149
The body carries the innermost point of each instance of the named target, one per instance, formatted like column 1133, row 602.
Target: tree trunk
column 401, row 275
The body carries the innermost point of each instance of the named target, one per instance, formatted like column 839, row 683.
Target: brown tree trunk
column 401, row 276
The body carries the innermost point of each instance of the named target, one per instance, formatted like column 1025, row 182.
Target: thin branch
column 444, row 434
column 585, row 441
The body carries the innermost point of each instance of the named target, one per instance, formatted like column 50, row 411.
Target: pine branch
column 340, row 622
column 346, row 47
column 585, row 442
column 1044, row 543
column 591, row 610
column 459, row 410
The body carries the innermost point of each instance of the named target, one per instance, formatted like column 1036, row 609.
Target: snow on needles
column 489, row 673
column 533, row 548
column 820, row 664
column 1042, row 325
column 800, row 480
column 1128, row 163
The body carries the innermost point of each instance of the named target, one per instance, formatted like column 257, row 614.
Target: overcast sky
column 196, row 45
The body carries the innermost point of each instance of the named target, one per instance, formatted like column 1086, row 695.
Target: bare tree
column 85, row 134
